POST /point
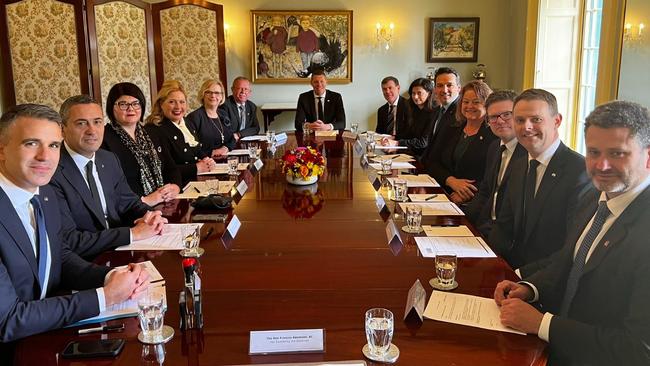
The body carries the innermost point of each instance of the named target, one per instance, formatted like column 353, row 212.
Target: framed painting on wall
column 289, row 45
column 453, row 40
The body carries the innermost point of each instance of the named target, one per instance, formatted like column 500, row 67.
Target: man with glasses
column 92, row 189
column 241, row 112
column 482, row 210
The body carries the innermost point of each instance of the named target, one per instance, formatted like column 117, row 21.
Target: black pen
column 107, row 328
column 197, row 190
column 431, row 197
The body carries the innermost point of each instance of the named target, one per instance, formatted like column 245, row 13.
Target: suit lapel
column 73, row 176
column 15, row 228
column 105, row 180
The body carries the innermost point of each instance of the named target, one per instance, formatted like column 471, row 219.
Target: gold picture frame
column 288, row 45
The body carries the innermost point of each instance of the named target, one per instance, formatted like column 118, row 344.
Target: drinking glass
column 370, row 136
column 413, row 219
column 270, row 136
column 153, row 354
column 213, row 186
column 354, row 127
column 252, row 151
column 446, row 264
column 386, row 166
column 190, row 236
column 233, row 162
column 399, row 190
column 370, row 148
column 379, row 331
column 305, row 129
column 151, row 312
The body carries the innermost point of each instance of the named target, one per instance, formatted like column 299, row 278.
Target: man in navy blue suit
column 320, row 107
column 34, row 262
column 92, row 188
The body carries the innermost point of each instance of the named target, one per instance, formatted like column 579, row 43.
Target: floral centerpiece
column 302, row 202
column 303, row 165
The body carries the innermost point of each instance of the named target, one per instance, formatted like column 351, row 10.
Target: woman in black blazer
column 211, row 124
column 461, row 162
column 149, row 169
column 167, row 122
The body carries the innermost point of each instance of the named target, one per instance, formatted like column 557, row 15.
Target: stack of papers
column 223, row 169
column 461, row 230
column 196, row 189
column 463, row 247
column 420, row 180
column 435, row 208
column 395, row 157
column 428, row 197
column 172, row 238
column 396, row 165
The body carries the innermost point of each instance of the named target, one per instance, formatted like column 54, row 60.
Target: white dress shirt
column 544, row 159
column 322, row 96
column 187, row 135
column 81, row 162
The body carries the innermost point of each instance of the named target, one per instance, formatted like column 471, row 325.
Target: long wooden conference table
column 305, row 259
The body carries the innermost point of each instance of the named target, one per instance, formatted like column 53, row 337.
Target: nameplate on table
column 281, row 137
column 394, row 239
column 379, row 201
column 233, row 227
column 258, row 164
column 358, row 147
column 349, row 135
column 415, row 301
column 332, row 133
column 242, row 187
column 287, row 341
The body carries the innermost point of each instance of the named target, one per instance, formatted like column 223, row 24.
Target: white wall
column 635, row 77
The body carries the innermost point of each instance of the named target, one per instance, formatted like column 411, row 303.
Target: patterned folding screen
column 43, row 52
column 191, row 46
column 121, row 34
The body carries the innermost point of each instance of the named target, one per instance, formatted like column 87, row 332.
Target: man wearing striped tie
column 595, row 292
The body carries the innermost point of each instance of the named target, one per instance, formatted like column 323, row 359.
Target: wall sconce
column 226, row 34
column 384, row 35
column 633, row 33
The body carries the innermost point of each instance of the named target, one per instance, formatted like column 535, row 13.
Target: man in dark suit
column 447, row 88
column 392, row 116
column 241, row 112
column 543, row 189
column 482, row 210
column 320, row 107
column 92, row 188
column 595, row 291
column 34, row 262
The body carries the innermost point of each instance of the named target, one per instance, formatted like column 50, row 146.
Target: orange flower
column 304, row 171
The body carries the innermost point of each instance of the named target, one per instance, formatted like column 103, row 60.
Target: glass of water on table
column 379, row 334
column 151, row 313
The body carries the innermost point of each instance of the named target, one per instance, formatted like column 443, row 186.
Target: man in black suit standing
column 241, row 112
column 482, row 210
column 320, row 107
column 392, row 116
column 595, row 291
column 543, row 189
column 92, row 188
column 34, row 263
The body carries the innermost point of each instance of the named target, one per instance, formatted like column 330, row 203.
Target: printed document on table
column 394, row 157
column 223, row 169
column 154, row 275
column 464, row 247
column 428, row 197
column 196, row 189
column 125, row 309
column 380, row 147
column 421, row 180
column 474, row 311
column 461, row 230
column 170, row 239
column 254, row 138
column 395, row 165
column 435, row 208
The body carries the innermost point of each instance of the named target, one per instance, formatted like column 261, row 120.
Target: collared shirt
column 81, row 161
column 506, row 155
column 617, row 206
column 322, row 96
column 187, row 135
column 544, row 159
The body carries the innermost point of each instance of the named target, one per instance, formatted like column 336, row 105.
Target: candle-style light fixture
column 384, row 35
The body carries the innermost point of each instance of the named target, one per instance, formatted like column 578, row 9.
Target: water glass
column 413, row 218
column 252, row 151
column 213, row 186
column 305, row 129
column 399, row 190
column 379, row 330
column 153, row 354
column 151, row 312
column 446, row 264
column 370, row 148
column 270, row 136
column 386, row 166
column 354, row 127
column 233, row 162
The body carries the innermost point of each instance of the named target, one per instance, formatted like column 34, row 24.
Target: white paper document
column 170, row 239
column 196, row 189
column 435, row 208
column 420, row 180
column 395, row 157
column 474, row 311
column 461, row 230
column 223, row 169
column 237, row 152
column 428, row 197
column 396, row 165
column 464, row 247
column 380, row 147
column 254, row 138
column 154, row 275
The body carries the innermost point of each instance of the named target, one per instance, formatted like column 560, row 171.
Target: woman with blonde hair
column 461, row 162
column 167, row 122
column 210, row 123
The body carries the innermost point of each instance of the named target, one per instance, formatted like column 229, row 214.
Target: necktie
column 391, row 125
column 94, row 192
column 319, row 110
column 41, row 239
column 581, row 256
column 531, row 181
column 242, row 117
column 441, row 112
column 497, row 182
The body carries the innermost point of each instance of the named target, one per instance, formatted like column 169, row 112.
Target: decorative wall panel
column 121, row 32
column 44, row 55
column 189, row 47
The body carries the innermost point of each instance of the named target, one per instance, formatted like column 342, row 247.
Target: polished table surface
column 306, row 258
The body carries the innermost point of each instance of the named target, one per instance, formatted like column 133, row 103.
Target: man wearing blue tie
column 595, row 291
column 34, row 263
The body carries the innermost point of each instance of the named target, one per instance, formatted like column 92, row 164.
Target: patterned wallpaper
column 122, row 47
column 42, row 38
column 189, row 47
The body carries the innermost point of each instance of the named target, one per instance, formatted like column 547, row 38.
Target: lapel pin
column 606, row 244
column 480, row 137
column 552, row 174
column 175, row 138
column 102, row 166
column 159, row 149
column 45, row 199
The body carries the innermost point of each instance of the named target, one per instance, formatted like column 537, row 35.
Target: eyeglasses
column 505, row 116
column 125, row 106
column 208, row 93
